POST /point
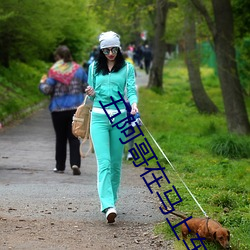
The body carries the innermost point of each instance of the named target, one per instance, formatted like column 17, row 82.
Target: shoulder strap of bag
column 85, row 99
column 90, row 149
column 87, row 137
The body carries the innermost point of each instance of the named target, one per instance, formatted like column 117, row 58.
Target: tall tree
column 159, row 44
column 201, row 99
column 223, row 38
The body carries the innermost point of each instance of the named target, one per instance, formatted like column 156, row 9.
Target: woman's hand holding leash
column 134, row 109
column 90, row 91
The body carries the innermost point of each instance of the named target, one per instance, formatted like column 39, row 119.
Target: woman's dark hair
column 63, row 52
column 102, row 67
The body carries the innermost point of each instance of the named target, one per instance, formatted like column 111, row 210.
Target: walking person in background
column 139, row 56
column 92, row 56
column 147, row 54
column 65, row 84
column 108, row 75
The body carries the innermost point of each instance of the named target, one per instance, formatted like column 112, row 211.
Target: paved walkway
column 31, row 191
column 27, row 160
column 141, row 78
column 26, row 163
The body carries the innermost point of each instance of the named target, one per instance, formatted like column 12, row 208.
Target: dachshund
column 207, row 228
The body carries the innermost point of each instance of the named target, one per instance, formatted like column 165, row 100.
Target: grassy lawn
column 19, row 88
column 214, row 164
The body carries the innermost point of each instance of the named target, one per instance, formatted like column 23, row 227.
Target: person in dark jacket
column 147, row 54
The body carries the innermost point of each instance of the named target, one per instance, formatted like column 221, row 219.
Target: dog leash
column 174, row 170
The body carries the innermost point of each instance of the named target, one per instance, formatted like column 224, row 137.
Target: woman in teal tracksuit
column 108, row 75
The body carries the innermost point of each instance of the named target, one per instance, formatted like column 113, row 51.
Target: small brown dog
column 207, row 228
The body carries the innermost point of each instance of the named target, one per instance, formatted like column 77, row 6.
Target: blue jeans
column 108, row 151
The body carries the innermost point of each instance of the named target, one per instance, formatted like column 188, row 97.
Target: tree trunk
column 201, row 99
column 235, row 109
column 159, row 46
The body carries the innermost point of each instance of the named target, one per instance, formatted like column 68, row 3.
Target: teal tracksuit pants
column 108, row 151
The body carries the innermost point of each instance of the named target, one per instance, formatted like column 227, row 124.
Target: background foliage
column 28, row 33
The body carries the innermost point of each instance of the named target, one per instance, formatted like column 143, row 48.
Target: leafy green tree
column 126, row 17
column 241, row 18
column 242, row 33
column 28, row 33
column 24, row 32
column 79, row 29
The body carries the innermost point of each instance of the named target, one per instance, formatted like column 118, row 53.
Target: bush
column 231, row 146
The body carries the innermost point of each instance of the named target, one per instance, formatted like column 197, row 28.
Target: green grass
column 19, row 88
column 214, row 164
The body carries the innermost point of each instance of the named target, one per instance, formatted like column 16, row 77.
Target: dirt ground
column 50, row 234
column 40, row 209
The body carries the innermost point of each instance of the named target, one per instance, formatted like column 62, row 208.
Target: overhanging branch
column 202, row 9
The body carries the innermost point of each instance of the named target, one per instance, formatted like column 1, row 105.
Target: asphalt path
column 27, row 160
column 26, row 177
column 29, row 189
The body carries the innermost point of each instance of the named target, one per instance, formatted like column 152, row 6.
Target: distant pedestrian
column 128, row 59
column 93, row 55
column 107, row 76
column 65, row 84
column 147, row 55
column 138, row 56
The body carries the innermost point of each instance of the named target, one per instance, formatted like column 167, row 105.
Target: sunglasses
column 106, row 51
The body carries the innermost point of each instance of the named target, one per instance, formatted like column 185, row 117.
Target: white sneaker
column 111, row 214
column 58, row 171
column 129, row 156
